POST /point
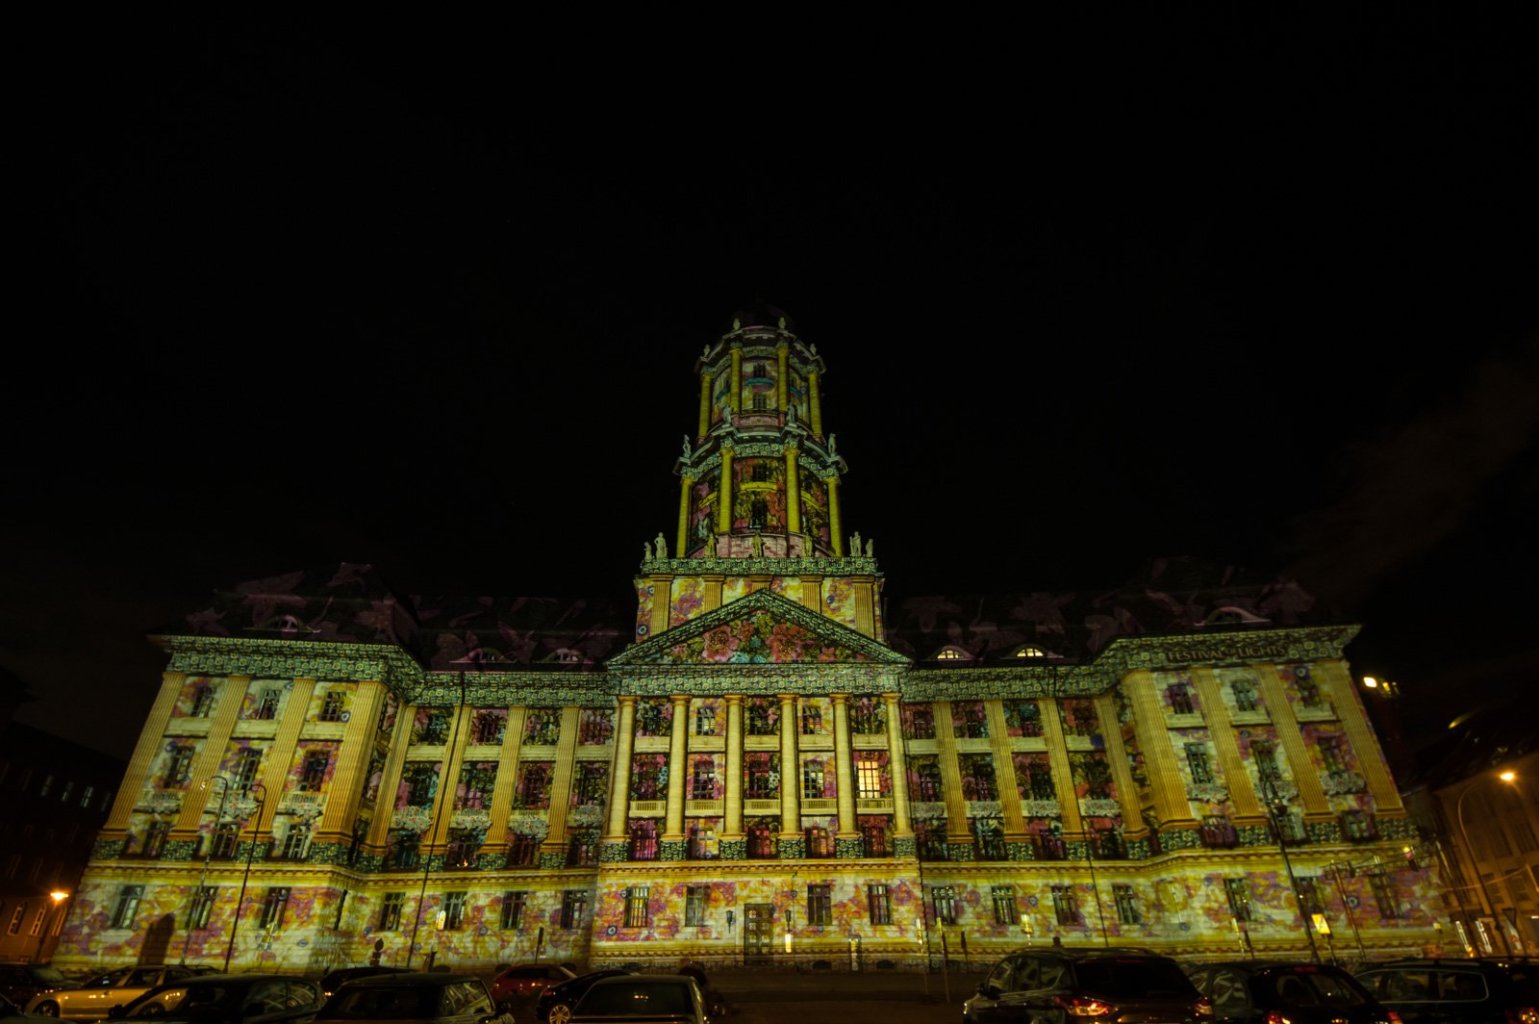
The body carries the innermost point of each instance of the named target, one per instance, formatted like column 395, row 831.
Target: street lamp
column 1510, row 777
column 1275, row 809
column 246, row 877
column 208, row 853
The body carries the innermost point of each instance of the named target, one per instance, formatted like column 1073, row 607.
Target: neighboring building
column 1476, row 794
column 55, row 796
column 760, row 763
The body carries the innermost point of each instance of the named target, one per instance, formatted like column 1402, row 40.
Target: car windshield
column 49, row 976
column 107, row 980
column 383, row 1003
column 1313, row 987
column 1130, row 978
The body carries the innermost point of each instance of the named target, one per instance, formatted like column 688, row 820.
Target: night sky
column 1257, row 294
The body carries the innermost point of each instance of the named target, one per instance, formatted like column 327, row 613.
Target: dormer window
column 952, row 654
column 1030, row 652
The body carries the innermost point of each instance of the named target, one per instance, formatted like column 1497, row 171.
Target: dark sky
column 429, row 298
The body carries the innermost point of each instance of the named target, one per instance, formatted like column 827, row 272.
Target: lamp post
column 1275, row 808
column 208, row 853
column 1510, row 777
column 246, row 877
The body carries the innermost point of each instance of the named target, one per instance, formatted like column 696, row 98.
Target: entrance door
column 758, row 934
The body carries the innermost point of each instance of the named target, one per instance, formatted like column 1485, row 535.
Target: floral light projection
column 474, row 790
column 840, row 600
column 649, row 777
column 197, row 697
column 646, row 597
column 918, row 722
column 705, row 776
column 542, row 727
column 760, row 639
column 968, row 720
column 418, row 785
column 1023, row 718
column 654, row 716
column 820, row 777
column 868, row 715
column 688, row 600
column 708, row 716
column 816, row 716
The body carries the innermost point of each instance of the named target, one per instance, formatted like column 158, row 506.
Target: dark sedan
column 228, row 999
column 1262, row 991
column 555, row 1002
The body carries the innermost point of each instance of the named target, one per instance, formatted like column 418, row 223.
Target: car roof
column 646, row 978
column 407, row 980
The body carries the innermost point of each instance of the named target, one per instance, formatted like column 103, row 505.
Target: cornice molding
column 817, row 566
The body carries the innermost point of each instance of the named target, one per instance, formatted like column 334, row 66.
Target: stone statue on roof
column 687, row 450
column 662, row 546
column 646, row 551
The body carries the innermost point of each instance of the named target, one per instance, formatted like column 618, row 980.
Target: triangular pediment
column 762, row 628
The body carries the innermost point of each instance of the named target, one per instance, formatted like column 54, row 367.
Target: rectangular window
column 868, row 775
column 574, row 902
column 179, row 769
column 1244, row 691
column 1004, row 904
column 390, row 911
column 313, row 775
column 820, row 904
column 1384, row 895
column 1127, row 903
column 247, row 763
column 1309, row 690
column 454, row 911
column 592, row 783
column 944, row 900
column 1309, row 896
column 1238, row 892
column 201, row 906
column 1197, row 761
column 225, row 841
column 1065, row 905
column 85, row 796
column 812, row 780
column 1331, row 754
column 202, row 701
column 155, row 837
column 705, row 720
column 1264, row 754
column 513, row 903
column 296, row 842
column 17, row 914
column 638, row 907
column 37, row 922
column 128, row 906
column 333, row 706
column 702, row 784
column 1180, row 697
column 879, row 900
column 695, row 897
column 273, row 907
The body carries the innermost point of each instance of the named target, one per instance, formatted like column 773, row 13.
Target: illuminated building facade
column 761, row 762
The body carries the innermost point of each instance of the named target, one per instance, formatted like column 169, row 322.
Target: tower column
column 782, row 351
column 732, row 826
column 736, row 398
column 1160, row 763
column 898, row 765
column 390, row 779
column 951, row 774
column 221, row 726
column 673, row 828
column 705, row 405
column 790, row 770
column 816, row 401
column 280, row 756
column 620, row 788
column 449, row 781
column 835, row 521
column 793, row 492
column 1117, row 758
column 1305, row 775
column 846, row 784
column 561, row 785
column 724, row 494
column 148, row 747
column 507, row 779
column 686, row 487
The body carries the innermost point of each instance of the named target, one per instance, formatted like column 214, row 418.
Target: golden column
column 724, row 494
column 957, row 830
column 1117, row 757
column 507, row 778
column 148, row 748
column 835, row 521
column 898, row 765
column 846, row 768
column 1004, row 772
column 620, row 789
column 790, row 770
column 221, row 727
column 782, row 350
column 390, row 779
column 732, row 827
column 1348, row 702
column 1311, row 794
column 1161, row 766
column 280, row 756
column 686, row 485
column 793, row 492
column 816, row 402
column 677, row 769
column 1216, row 713
column 705, row 404
column 352, row 761
column 1058, row 756
column 561, row 786
column 736, row 398
column 449, row 782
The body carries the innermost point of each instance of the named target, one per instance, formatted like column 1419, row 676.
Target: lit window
column 879, row 900
column 1065, row 905
column 1127, row 903
column 944, row 900
column 390, row 911
column 454, row 911
column 273, row 906
column 820, row 904
column 574, row 902
column 695, row 898
column 513, row 903
column 128, row 906
column 1031, row 652
column 201, row 906
column 952, row 654
column 1004, row 904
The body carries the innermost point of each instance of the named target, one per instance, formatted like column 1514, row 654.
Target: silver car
column 95, row 998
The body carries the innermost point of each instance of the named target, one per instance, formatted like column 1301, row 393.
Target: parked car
column 555, row 1001
column 1261, row 991
column 228, row 999
column 524, row 981
column 20, row 982
column 1456, row 991
column 94, row 997
column 636, row 998
column 1113, row 985
column 10, row 1013
column 332, row 980
column 416, row 998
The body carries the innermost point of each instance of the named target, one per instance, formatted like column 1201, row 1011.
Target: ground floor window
column 574, row 902
column 879, row 899
column 695, row 899
column 1065, row 905
column 820, row 904
column 944, row 900
column 1004, row 904
column 513, row 903
column 1127, row 904
column 390, row 911
column 638, row 908
column 128, row 906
